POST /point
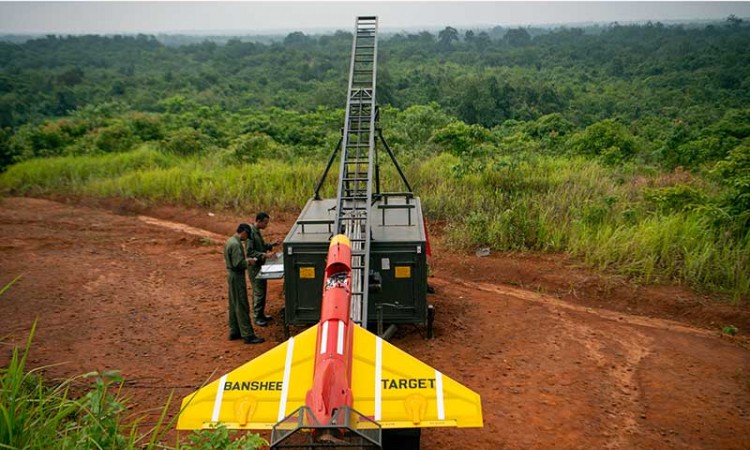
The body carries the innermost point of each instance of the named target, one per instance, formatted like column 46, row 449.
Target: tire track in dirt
column 617, row 353
column 662, row 324
column 184, row 228
column 614, row 348
column 626, row 351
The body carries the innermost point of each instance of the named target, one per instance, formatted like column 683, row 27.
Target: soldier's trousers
column 239, row 308
column 259, row 295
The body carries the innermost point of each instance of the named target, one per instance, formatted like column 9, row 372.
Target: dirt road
column 562, row 357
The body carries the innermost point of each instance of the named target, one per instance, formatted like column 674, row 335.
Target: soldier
column 239, row 309
column 257, row 248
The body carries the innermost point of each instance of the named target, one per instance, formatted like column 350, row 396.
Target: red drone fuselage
column 332, row 374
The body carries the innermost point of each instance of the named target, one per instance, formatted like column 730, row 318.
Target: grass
column 272, row 184
column 36, row 416
column 603, row 215
column 73, row 173
column 630, row 219
column 148, row 174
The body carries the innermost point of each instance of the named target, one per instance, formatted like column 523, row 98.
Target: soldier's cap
column 243, row 227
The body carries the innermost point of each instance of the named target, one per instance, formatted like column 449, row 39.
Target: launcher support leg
column 393, row 158
column 328, row 167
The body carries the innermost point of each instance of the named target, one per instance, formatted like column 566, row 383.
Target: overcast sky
column 260, row 17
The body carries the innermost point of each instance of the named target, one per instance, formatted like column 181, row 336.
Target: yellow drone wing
column 389, row 386
column 257, row 394
column 397, row 390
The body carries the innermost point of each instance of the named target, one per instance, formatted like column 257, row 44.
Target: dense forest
column 626, row 146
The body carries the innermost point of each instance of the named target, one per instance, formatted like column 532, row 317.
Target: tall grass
column 149, row 174
column 591, row 211
column 25, row 404
column 70, row 174
column 513, row 202
column 273, row 185
column 36, row 416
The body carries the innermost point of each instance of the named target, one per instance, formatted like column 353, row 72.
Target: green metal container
column 397, row 261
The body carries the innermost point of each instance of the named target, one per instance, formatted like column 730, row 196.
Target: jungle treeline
column 627, row 146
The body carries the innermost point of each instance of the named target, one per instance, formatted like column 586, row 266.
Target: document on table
column 268, row 268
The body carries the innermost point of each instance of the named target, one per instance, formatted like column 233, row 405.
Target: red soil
column 561, row 356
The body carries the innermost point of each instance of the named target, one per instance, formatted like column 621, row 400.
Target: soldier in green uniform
column 257, row 248
column 239, row 309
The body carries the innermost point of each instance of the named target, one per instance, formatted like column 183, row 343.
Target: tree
column 549, row 127
column 114, row 138
column 734, row 21
column 734, row 171
column 609, row 140
column 517, row 37
column 146, row 128
column 481, row 100
column 185, row 142
column 297, row 38
column 482, row 41
column 447, row 37
column 71, row 77
column 412, row 128
column 7, row 154
column 250, row 147
column 461, row 139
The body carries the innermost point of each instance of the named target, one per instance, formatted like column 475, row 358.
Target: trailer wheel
column 401, row 438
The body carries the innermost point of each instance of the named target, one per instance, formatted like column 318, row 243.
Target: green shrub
column 249, row 148
column 146, row 127
column 7, row 153
column 220, row 437
column 676, row 198
column 609, row 140
column 461, row 139
column 735, row 174
column 185, row 142
column 549, row 127
column 696, row 152
column 48, row 139
column 115, row 138
column 412, row 128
